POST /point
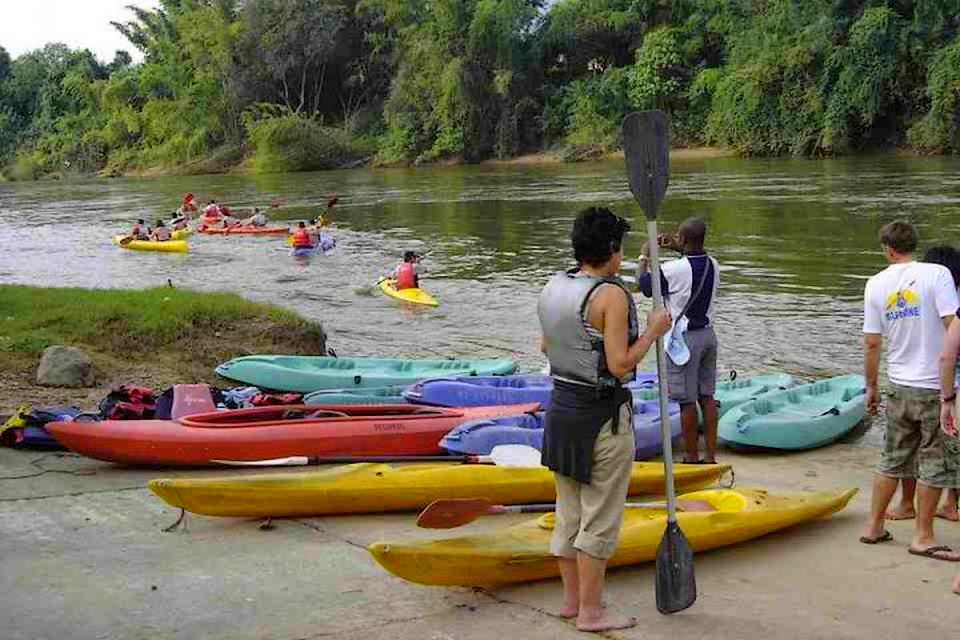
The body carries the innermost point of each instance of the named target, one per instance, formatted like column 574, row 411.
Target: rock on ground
column 65, row 367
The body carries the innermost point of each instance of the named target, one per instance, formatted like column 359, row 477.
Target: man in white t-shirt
column 690, row 287
column 910, row 304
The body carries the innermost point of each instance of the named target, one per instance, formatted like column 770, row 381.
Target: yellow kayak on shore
column 380, row 488
column 171, row 246
column 416, row 296
column 522, row 553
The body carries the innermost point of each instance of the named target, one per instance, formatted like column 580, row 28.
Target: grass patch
column 179, row 331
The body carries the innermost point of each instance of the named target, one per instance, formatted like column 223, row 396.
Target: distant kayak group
column 219, row 219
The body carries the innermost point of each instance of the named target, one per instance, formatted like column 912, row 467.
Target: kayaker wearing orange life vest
column 301, row 237
column 406, row 274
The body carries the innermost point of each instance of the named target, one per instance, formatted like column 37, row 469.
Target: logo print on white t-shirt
column 905, row 303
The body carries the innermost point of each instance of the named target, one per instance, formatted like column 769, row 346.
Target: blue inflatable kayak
column 483, row 391
column 479, row 437
column 373, row 395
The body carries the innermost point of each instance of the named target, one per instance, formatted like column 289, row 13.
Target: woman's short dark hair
column 597, row 234
column 947, row 256
column 899, row 235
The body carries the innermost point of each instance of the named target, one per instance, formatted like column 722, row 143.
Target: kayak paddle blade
column 676, row 583
column 646, row 146
column 515, row 455
column 448, row 514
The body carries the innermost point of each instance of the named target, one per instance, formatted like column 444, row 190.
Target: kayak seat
column 850, row 394
column 326, row 413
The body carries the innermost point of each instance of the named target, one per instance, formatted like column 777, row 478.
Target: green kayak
column 804, row 417
column 363, row 395
column 737, row 391
column 305, row 374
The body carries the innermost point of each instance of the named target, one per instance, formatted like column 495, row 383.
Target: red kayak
column 244, row 230
column 265, row 433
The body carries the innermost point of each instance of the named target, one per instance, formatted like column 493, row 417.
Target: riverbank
column 233, row 164
column 67, row 523
column 153, row 337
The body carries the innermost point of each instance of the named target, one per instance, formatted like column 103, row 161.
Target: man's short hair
column 694, row 231
column 899, row 235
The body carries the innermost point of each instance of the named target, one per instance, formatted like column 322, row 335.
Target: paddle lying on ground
column 647, row 152
column 504, row 455
column 447, row 514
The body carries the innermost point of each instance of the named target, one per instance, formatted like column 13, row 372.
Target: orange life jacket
column 406, row 276
column 301, row 238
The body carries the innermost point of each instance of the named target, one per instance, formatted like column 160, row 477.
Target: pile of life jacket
column 129, row 402
column 26, row 428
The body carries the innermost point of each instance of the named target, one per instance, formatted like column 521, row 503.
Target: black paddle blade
column 646, row 146
column 676, row 583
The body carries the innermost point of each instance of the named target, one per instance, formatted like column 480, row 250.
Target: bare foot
column 948, row 514
column 604, row 621
column 901, row 513
column 569, row 612
column 956, row 585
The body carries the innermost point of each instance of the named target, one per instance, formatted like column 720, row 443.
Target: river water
column 796, row 240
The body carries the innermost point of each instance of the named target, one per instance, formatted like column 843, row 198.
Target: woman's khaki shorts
column 589, row 515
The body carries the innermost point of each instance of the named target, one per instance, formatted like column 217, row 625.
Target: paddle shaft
column 662, row 375
column 548, row 507
column 314, row 460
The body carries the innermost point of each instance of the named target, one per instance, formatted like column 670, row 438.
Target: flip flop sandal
column 886, row 536
column 931, row 553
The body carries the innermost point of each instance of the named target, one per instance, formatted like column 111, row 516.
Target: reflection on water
column 796, row 240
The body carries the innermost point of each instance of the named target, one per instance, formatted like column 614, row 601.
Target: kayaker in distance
column 911, row 304
column 179, row 221
column 188, row 205
column 406, row 274
column 592, row 339
column 325, row 218
column 258, row 219
column 140, row 231
column 690, row 287
column 301, row 237
column 161, row 233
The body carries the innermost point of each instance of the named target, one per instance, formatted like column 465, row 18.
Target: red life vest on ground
column 406, row 276
column 301, row 238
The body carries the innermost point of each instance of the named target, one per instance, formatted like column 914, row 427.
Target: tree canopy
column 304, row 84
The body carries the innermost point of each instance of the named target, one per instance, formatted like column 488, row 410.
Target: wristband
column 949, row 399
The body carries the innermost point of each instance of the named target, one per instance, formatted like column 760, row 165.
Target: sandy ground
column 84, row 557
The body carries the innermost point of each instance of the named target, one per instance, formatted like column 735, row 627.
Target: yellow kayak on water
column 522, row 553
column 416, row 296
column 181, row 234
column 173, row 246
column 379, row 488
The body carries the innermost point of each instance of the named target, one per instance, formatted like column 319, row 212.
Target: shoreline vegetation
column 270, row 86
column 155, row 337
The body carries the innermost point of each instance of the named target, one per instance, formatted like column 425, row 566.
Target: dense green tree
column 301, row 84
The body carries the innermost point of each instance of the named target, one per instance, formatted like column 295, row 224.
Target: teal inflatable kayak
column 371, row 395
column 306, row 374
column 804, row 417
column 737, row 391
